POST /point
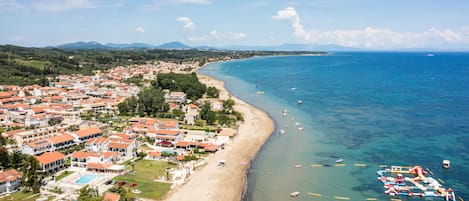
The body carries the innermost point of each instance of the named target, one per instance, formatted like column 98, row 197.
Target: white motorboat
column 294, row 194
column 446, row 163
column 339, row 160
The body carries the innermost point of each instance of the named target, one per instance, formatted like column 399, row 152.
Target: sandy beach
column 213, row 182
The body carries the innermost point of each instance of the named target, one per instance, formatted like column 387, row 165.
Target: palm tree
column 31, row 179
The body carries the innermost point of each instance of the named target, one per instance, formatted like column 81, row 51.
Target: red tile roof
column 154, row 154
column 118, row 145
column 61, row 138
column 101, row 166
column 88, row 132
column 9, row 175
column 49, row 157
column 111, row 197
column 84, row 154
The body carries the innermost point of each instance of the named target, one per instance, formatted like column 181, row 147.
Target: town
column 120, row 133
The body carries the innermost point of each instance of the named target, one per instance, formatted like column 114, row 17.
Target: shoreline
column 229, row 182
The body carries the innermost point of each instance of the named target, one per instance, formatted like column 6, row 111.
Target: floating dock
column 411, row 181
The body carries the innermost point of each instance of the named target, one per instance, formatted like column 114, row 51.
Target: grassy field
column 33, row 63
column 145, row 172
column 63, row 174
column 20, row 195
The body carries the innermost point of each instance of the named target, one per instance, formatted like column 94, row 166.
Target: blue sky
column 372, row 24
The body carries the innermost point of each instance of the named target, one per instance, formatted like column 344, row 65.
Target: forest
column 26, row 66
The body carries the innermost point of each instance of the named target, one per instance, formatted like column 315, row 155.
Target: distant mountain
column 173, row 45
column 179, row 45
column 292, row 47
column 129, row 46
column 83, row 45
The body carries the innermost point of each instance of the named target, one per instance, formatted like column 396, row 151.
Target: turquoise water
column 87, row 178
column 367, row 108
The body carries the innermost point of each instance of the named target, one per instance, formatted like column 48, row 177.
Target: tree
column 31, row 179
column 151, row 101
column 4, row 158
column 228, row 105
column 89, row 194
column 16, row 159
column 207, row 114
column 212, row 92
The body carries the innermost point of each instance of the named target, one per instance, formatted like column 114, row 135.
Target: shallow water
column 367, row 108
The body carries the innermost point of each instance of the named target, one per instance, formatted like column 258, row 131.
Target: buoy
column 314, row 194
column 359, row 165
column 341, row 198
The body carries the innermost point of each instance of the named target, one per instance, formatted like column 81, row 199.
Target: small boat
column 300, row 102
column 297, row 123
column 260, row 93
column 298, row 166
column 430, row 55
column 281, row 132
column 339, row 160
column 284, row 112
column 446, row 164
column 293, row 88
column 300, row 128
column 294, row 194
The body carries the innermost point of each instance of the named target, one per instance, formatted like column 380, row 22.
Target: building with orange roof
column 154, row 155
column 37, row 147
column 84, row 134
column 80, row 158
column 111, row 197
column 10, row 181
column 39, row 133
column 51, row 162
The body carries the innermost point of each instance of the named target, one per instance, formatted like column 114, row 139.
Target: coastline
column 212, row 182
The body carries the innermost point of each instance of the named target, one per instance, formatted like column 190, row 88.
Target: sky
column 367, row 24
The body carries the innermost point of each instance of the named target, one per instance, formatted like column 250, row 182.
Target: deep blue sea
column 373, row 108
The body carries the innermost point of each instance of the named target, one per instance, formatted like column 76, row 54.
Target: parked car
column 108, row 182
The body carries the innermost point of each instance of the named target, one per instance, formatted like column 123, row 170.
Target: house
column 37, row 147
column 10, row 181
column 154, row 155
column 111, row 197
column 175, row 97
column 88, row 133
column 80, row 158
column 121, row 144
column 62, row 141
column 191, row 113
column 165, row 136
column 55, row 143
column 39, row 134
column 51, row 162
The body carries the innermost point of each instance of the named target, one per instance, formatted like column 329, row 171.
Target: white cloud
column 214, row 35
column 158, row 4
column 140, row 30
column 63, row 5
column 192, row 1
column 10, row 4
column 188, row 24
column 373, row 38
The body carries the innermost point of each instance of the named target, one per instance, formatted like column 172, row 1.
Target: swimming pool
column 88, row 178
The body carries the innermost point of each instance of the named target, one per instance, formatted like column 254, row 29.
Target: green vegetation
column 21, row 195
column 89, row 194
column 27, row 165
column 187, row 83
column 63, row 174
column 145, row 172
column 26, row 66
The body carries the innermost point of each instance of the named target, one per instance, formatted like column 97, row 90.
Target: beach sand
column 213, row 182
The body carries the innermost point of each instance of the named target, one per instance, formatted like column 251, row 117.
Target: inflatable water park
column 412, row 181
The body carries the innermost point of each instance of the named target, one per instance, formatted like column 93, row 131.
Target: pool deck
column 70, row 187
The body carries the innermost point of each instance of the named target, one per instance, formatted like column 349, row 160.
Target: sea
column 370, row 109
